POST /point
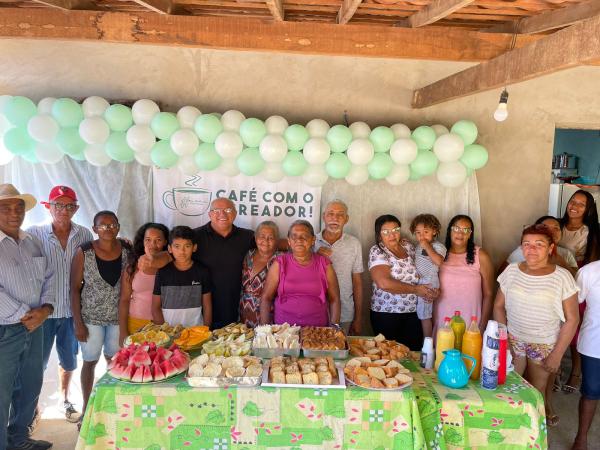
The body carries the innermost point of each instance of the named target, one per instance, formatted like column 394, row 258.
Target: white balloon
column 315, row 175
column 232, row 119
column 229, row 145
column 184, row 142
column 48, row 153
column 5, row 125
column 273, row 148
column 273, row 172
column 400, row 130
column 187, row 116
column 96, row 155
column 449, row 147
column 316, row 151
column 357, row 175
column 360, row 130
column 5, row 155
column 143, row 158
column 229, row 167
column 451, row 174
column 360, row 152
column 276, row 125
column 143, row 111
column 4, row 99
column 94, row 130
column 140, row 138
column 400, row 174
column 44, row 106
column 187, row 165
column 43, row 128
column 94, row 106
column 404, row 151
column 317, row 128
column 440, row 129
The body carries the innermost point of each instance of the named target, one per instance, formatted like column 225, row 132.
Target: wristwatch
column 49, row 305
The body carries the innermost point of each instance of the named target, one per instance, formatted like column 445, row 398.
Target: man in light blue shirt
column 26, row 300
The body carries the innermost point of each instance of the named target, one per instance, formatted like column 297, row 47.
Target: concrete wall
column 513, row 186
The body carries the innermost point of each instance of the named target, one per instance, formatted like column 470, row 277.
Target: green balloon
column 339, row 138
column 207, row 157
column 380, row 166
column 163, row 155
column 338, row 166
column 78, row 156
column 249, row 162
column 118, row 117
column 425, row 163
column 18, row 110
column 164, row 124
column 18, row 141
column 382, row 139
column 474, row 157
column 69, row 141
column 252, row 131
column 217, row 115
column 117, row 147
column 67, row 112
column 466, row 129
column 424, row 136
column 30, row 157
column 414, row 176
column 295, row 136
column 208, row 127
column 294, row 164
column 469, row 172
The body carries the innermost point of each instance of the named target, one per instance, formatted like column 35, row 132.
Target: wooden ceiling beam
column 69, row 5
column 347, row 10
column 276, row 9
column 573, row 46
column 158, row 6
column 436, row 10
column 550, row 20
column 439, row 43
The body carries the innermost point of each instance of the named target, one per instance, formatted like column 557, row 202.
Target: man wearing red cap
column 61, row 238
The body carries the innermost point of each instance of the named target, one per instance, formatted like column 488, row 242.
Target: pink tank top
column 302, row 291
column 140, row 305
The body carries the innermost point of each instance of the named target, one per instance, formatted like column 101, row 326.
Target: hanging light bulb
column 501, row 112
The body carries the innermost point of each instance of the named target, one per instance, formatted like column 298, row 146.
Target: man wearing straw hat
column 26, row 300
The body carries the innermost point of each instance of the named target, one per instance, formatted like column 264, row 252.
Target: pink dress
column 461, row 287
column 302, row 291
column 140, row 305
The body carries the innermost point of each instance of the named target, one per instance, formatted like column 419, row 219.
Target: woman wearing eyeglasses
column 95, row 288
column 466, row 276
column 305, row 284
column 395, row 288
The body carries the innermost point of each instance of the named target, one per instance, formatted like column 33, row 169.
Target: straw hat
column 8, row 191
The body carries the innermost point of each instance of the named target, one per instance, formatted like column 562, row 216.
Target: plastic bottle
column 489, row 356
column 458, row 326
column 502, row 349
column 427, row 354
column 471, row 345
column 444, row 341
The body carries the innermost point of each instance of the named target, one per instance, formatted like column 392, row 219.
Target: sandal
column 552, row 420
column 569, row 389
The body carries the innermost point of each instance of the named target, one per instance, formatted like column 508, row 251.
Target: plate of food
column 276, row 340
column 219, row 371
column 323, row 342
column 380, row 375
column 289, row 371
column 377, row 347
column 159, row 334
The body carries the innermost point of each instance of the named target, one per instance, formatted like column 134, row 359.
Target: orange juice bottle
column 471, row 345
column 458, row 325
column 444, row 341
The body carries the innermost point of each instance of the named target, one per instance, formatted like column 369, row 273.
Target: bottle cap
column 474, row 318
column 446, row 319
column 457, row 313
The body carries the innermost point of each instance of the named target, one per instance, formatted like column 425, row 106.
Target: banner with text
column 180, row 199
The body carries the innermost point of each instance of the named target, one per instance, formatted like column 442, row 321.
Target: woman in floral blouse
column 395, row 288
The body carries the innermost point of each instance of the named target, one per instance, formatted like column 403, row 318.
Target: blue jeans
column 66, row 342
column 21, row 375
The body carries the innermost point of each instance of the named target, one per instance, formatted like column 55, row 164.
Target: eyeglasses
column 390, row 231
column 68, row 206
column 222, row 210
column 110, row 226
column 465, row 230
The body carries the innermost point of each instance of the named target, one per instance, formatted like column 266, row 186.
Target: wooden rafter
column 436, row 10
column 69, row 4
column 276, row 9
column 551, row 20
column 158, row 6
column 234, row 33
column 347, row 10
column 573, row 46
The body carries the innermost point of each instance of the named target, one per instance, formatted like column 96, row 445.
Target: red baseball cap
column 61, row 191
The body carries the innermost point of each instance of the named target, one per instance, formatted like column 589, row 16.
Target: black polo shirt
column 223, row 256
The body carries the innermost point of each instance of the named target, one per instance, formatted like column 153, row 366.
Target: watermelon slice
column 157, row 371
column 168, row 369
column 147, row 374
column 163, row 354
column 138, row 377
column 120, row 371
column 140, row 358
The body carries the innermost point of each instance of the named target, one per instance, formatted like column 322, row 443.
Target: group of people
column 60, row 285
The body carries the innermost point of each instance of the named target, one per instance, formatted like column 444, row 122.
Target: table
column 172, row 415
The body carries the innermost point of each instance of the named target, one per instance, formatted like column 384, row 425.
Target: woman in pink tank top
column 466, row 276
column 305, row 283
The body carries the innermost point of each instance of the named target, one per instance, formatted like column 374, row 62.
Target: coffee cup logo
column 189, row 201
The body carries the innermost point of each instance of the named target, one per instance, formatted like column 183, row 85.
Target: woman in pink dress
column 466, row 276
column 305, row 283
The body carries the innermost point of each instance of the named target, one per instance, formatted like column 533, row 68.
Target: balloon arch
column 98, row 132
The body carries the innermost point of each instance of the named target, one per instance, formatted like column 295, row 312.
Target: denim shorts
column 99, row 336
column 66, row 342
column 590, row 377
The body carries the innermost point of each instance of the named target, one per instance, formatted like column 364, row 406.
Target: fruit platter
column 380, row 374
column 286, row 371
column 235, row 330
column 192, row 338
column 219, row 371
column 147, row 363
column 378, row 348
column 324, row 342
column 159, row 334
column 276, row 340
column 233, row 340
